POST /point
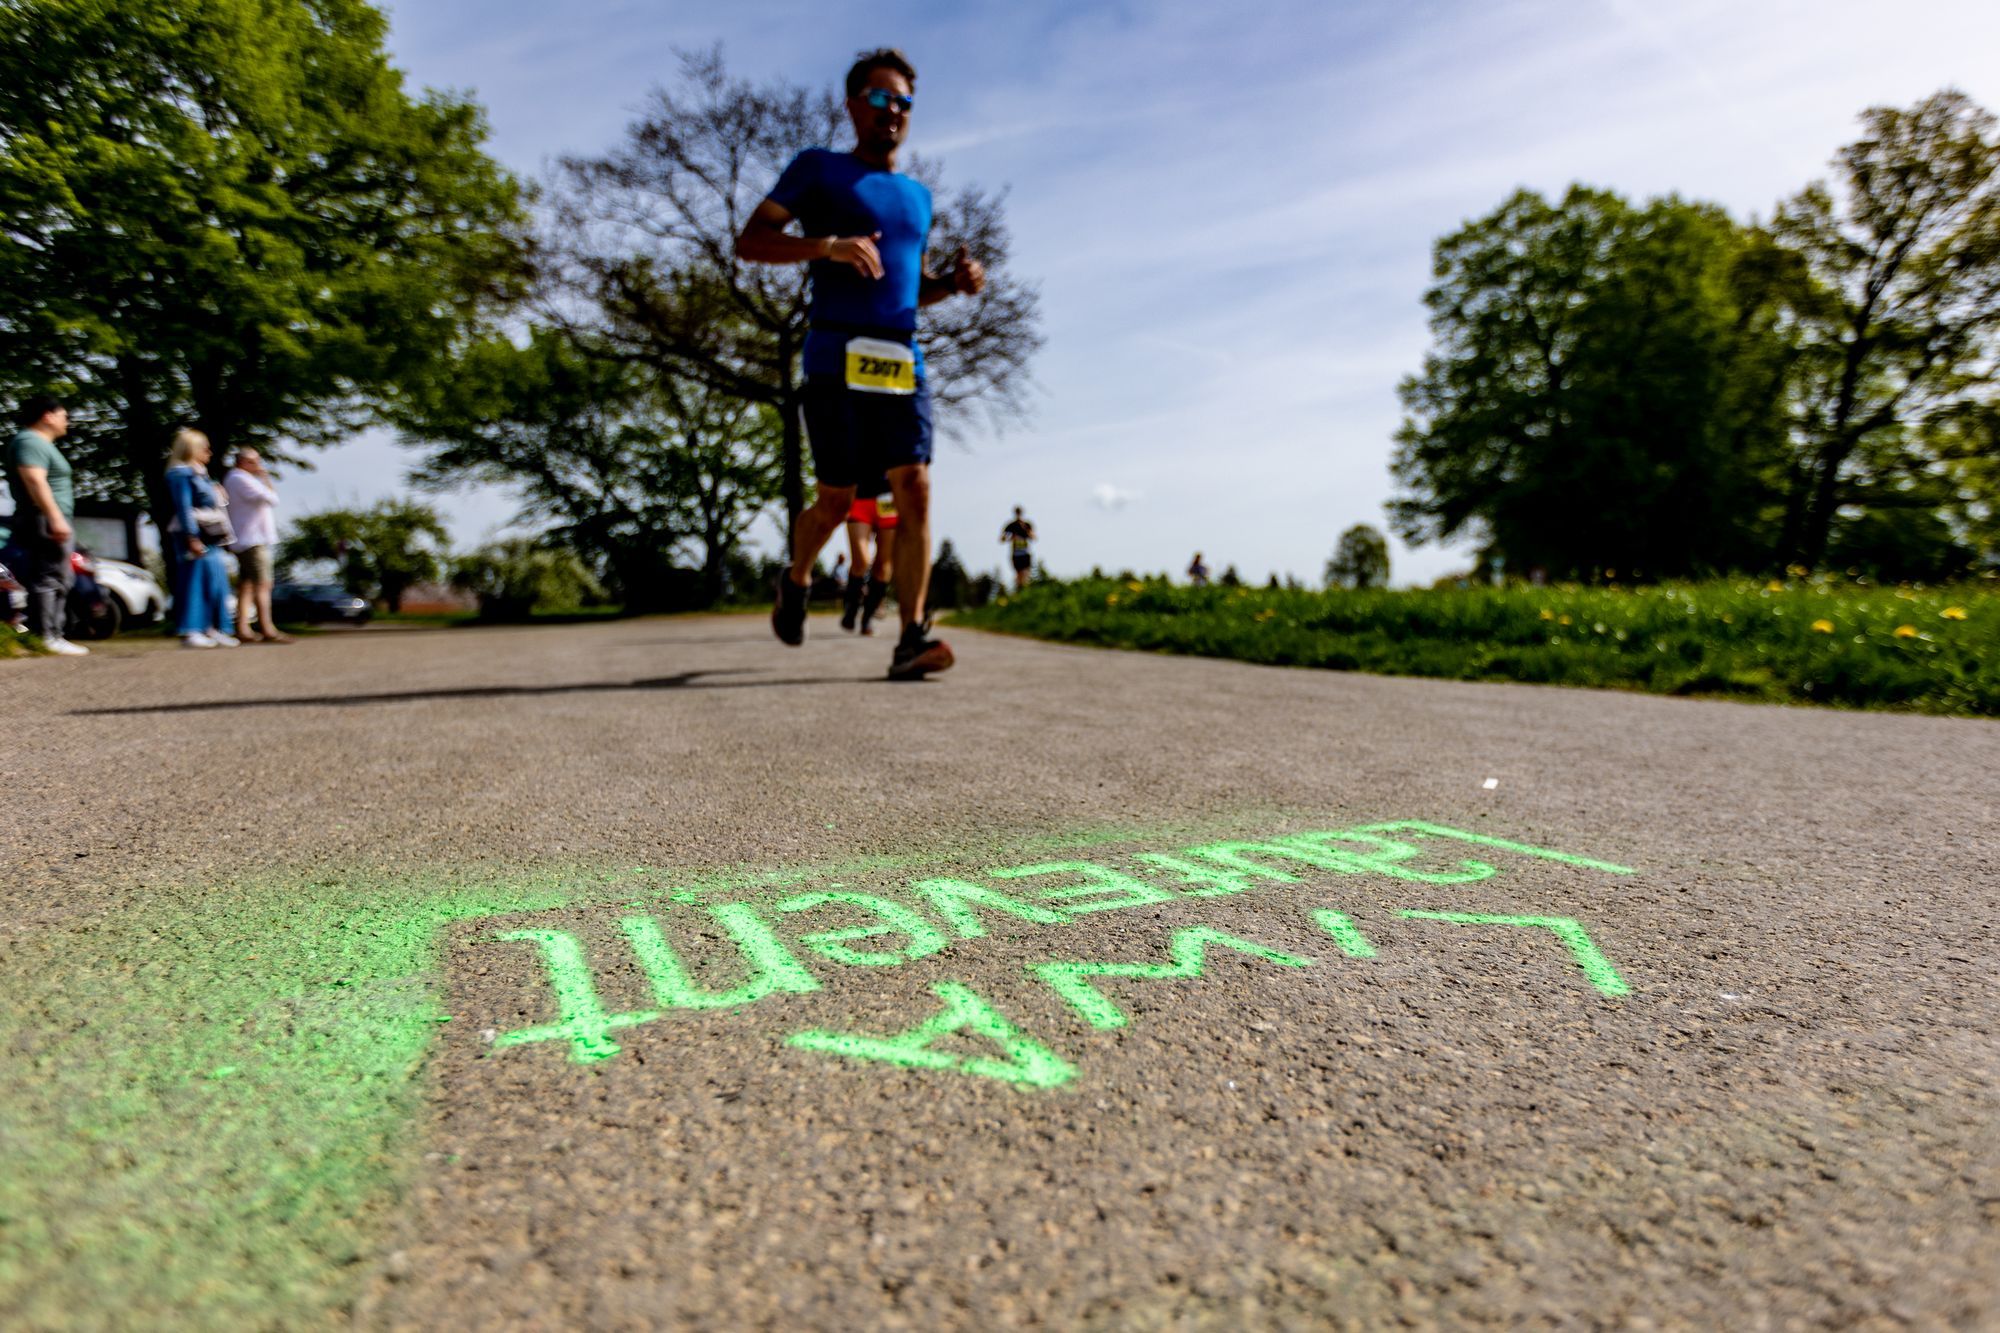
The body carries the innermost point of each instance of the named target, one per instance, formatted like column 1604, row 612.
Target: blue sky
column 1230, row 213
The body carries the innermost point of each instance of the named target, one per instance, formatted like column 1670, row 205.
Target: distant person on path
column 1018, row 534
column 44, row 502
column 1198, row 572
column 199, row 530
column 867, row 400
column 252, row 497
column 871, row 528
column 840, row 572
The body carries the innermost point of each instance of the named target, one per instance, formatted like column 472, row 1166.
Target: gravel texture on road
column 654, row 974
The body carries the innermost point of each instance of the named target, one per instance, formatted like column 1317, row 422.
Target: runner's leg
column 911, row 485
column 817, row 523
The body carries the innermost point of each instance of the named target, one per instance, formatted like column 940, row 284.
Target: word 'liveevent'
column 934, row 913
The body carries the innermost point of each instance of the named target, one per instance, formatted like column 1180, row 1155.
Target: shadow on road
column 687, row 680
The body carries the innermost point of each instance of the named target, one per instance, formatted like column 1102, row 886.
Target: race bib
column 876, row 366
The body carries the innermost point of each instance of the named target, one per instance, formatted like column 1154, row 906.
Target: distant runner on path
column 867, row 400
column 871, row 526
column 1018, row 534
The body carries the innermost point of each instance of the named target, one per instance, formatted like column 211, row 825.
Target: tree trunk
column 793, row 482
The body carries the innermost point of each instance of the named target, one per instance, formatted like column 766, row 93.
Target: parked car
column 13, row 602
column 317, row 602
column 129, row 593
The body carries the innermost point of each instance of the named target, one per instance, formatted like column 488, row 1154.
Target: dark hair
column 35, row 408
column 887, row 57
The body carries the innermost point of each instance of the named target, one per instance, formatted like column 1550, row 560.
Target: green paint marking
column 584, row 1024
column 1345, row 933
column 925, row 939
column 1072, row 980
column 1027, row 1061
column 1386, row 857
column 1199, row 881
column 1097, row 881
column 1236, row 856
column 773, row 967
column 1581, row 947
column 1521, row 848
column 959, row 901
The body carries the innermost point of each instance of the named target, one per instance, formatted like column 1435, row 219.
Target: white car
column 131, row 589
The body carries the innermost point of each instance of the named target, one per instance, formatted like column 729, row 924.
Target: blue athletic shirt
column 837, row 194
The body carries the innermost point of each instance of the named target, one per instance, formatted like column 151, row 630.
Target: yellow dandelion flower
column 1548, row 615
column 1797, row 571
column 1265, row 614
column 1906, row 631
column 1774, row 586
column 1562, row 620
column 1111, row 599
column 1822, row 626
column 1953, row 613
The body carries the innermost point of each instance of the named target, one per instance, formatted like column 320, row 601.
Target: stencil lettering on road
column 1040, row 895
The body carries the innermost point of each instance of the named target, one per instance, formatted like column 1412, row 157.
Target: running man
column 1018, row 534
column 871, row 527
column 867, row 401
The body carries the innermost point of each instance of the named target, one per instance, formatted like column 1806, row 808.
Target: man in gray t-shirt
column 44, row 502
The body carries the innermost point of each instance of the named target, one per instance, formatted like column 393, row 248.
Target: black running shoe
column 851, row 603
column 918, row 655
column 788, row 617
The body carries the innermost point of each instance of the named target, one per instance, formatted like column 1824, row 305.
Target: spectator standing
column 1198, row 572
column 199, row 529
column 252, row 497
column 44, row 502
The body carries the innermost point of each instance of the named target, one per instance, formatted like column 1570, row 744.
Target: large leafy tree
column 1896, row 385
column 627, row 467
column 1605, row 391
column 644, row 254
column 380, row 552
column 231, row 214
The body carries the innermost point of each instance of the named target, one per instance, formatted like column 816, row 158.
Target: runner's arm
column 966, row 275
column 765, row 241
column 35, row 480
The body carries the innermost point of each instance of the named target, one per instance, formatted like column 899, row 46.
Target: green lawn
column 1818, row 640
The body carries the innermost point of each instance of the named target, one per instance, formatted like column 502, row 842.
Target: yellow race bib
column 877, row 366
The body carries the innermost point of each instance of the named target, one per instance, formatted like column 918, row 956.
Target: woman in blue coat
column 201, row 584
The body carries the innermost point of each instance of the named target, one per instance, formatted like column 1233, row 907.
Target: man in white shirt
column 251, row 500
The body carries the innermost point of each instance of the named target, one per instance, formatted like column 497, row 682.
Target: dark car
column 314, row 603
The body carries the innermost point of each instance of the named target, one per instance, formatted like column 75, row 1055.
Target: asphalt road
column 491, row 977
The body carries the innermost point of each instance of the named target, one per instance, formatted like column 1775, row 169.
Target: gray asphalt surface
column 1791, row 1121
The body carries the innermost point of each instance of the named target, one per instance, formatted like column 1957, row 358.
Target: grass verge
column 1819, row 641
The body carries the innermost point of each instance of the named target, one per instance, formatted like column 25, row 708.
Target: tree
column 514, row 579
column 950, row 585
column 1605, row 389
column 379, row 552
column 644, row 254
column 1899, row 324
column 1230, row 578
column 615, row 462
column 229, row 213
column 1361, row 560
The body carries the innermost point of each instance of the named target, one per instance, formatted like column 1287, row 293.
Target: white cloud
column 1106, row 496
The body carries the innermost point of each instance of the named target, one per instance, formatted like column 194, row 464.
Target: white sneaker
column 65, row 648
column 225, row 640
column 197, row 640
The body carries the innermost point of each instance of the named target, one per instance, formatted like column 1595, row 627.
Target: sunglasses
column 882, row 99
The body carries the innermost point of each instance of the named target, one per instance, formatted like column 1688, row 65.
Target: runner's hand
column 59, row 529
column 859, row 251
column 968, row 275
column 195, row 548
